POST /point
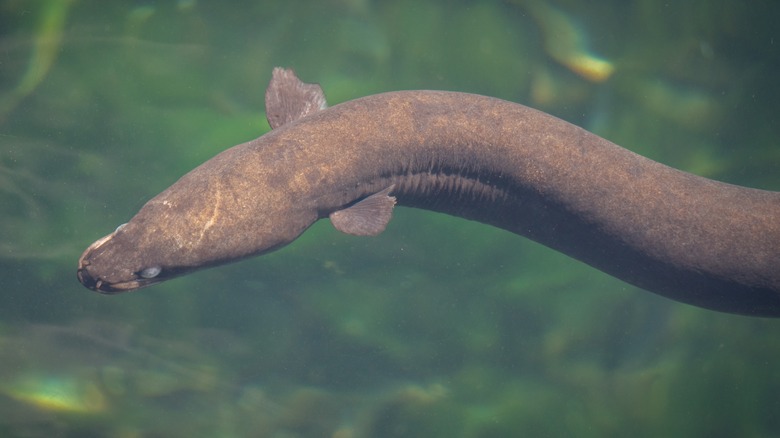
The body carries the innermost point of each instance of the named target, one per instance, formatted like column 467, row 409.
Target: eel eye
column 150, row 272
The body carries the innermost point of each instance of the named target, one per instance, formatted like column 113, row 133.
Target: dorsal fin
column 288, row 99
column 368, row 217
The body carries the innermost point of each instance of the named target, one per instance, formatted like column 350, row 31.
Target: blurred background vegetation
column 438, row 327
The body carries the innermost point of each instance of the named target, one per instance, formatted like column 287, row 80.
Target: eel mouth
column 102, row 286
column 93, row 283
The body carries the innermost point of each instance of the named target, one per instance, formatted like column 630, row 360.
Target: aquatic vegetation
column 33, row 194
column 51, row 19
column 566, row 42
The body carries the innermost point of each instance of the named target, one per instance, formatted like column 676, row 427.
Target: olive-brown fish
column 689, row 238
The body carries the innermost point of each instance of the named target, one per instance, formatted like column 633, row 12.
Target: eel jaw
column 99, row 285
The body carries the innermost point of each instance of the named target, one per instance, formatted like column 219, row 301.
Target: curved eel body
column 692, row 239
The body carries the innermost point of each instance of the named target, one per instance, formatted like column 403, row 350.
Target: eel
column 688, row 238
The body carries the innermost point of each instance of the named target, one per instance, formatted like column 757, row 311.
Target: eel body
column 689, row 238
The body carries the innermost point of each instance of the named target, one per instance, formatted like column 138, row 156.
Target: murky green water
column 439, row 327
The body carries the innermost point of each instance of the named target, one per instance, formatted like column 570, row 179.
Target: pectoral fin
column 287, row 98
column 367, row 217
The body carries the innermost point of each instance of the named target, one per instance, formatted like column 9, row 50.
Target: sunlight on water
column 57, row 393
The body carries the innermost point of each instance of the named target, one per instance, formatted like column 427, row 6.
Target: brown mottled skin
column 695, row 240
